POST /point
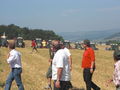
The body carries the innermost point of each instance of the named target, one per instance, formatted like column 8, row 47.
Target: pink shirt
column 116, row 75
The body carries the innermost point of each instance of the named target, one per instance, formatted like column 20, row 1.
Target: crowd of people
column 61, row 66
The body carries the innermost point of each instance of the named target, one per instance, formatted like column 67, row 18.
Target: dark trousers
column 15, row 74
column 87, row 75
column 64, row 85
column 34, row 48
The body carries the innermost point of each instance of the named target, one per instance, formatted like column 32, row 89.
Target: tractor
column 38, row 42
column 20, row 43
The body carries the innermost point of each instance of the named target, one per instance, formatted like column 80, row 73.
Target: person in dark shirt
column 52, row 52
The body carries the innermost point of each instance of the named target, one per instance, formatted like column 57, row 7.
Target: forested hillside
column 14, row 31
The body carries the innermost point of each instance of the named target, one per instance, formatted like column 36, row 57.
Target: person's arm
column 108, row 82
column 92, row 64
column 51, row 55
column 11, row 57
column 69, row 58
column 8, row 55
column 70, row 62
column 92, row 67
column 50, row 61
column 116, row 76
column 59, row 75
column 59, row 65
column 92, row 55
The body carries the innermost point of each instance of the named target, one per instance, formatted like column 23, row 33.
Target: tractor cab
column 3, row 41
column 20, row 42
column 67, row 44
column 38, row 42
column 78, row 46
column 93, row 46
column 114, row 47
column 49, row 43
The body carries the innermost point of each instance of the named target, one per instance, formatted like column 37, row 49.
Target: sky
column 61, row 15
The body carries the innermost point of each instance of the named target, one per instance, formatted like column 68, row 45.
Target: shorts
column 49, row 72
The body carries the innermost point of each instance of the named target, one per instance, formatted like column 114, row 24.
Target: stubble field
column 35, row 66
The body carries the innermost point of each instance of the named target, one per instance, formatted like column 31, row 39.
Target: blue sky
column 62, row 15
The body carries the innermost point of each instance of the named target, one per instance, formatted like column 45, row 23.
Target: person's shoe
column 48, row 87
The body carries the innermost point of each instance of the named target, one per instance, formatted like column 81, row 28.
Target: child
column 116, row 74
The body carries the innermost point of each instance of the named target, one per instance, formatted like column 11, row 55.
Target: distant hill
column 13, row 31
column 92, row 35
column 115, row 36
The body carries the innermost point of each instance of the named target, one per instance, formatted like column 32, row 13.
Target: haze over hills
column 91, row 35
column 115, row 36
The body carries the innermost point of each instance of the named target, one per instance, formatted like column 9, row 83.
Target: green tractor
column 20, row 43
column 49, row 43
column 3, row 41
column 78, row 46
column 93, row 46
column 38, row 42
column 114, row 47
column 67, row 44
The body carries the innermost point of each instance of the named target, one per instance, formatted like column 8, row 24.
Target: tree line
column 14, row 31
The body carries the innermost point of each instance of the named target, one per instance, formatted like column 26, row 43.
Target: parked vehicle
column 38, row 42
column 20, row 42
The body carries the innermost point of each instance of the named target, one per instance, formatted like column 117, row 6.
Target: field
column 35, row 66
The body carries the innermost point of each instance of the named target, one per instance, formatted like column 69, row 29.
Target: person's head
column 116, row 55
column 32, row 40
column 86, row 43
column 11, row 45
column 57, row 47
column 55, row 42
column 62, row 46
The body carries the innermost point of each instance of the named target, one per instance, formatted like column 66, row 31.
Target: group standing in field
column 61, row 66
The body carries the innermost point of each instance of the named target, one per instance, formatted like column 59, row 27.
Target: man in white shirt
column 60, row 69
column 14, row 59
column 52, row 52
column 67, row 52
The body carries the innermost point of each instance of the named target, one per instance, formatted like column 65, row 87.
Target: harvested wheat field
column 35, row 66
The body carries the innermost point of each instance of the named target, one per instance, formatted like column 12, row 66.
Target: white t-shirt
column 67, row 52
column 14, row 59
column 60, row 61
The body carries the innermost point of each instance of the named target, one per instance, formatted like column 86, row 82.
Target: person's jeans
column 15, row 74
column 64, row 85
column 87, row 75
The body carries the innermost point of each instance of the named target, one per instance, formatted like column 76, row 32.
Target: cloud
column 109, row 9
column 70, row 12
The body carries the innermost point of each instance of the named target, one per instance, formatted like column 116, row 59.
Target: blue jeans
column 15, row 74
